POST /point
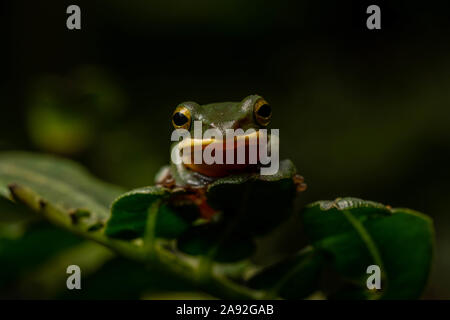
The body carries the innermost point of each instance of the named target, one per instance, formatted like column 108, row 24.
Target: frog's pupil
column 265, row 111
column 179, row 119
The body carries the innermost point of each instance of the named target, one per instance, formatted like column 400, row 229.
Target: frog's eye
column 181, row 118
column 263, row 112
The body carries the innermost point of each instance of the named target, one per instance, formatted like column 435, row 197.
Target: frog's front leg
column 299, row 182
column 192, row 194
column 164, row 178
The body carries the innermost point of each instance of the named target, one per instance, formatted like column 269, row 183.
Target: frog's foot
column 299, row 182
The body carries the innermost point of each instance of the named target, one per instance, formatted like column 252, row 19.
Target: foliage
column 166, row 238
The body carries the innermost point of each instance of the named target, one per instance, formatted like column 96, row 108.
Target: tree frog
column 216, row 200
column 253, row 112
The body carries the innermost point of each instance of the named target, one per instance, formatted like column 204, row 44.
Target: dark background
column 361, row 112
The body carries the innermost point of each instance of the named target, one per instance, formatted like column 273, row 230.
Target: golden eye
column 181, row 118
column 263, row 112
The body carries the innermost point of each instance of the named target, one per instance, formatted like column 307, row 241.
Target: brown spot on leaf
column 42, row 204
column 13, row 188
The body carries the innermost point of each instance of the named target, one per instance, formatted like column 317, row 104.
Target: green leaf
column 348, row 234
column 60, row 182
column 227, row 238
column 129, row 214
column 259, row 203
column 175, row 220
column 358, row 233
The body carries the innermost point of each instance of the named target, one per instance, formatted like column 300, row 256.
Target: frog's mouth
column 221, row 157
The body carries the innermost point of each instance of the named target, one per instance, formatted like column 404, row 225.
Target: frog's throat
column 190, row 146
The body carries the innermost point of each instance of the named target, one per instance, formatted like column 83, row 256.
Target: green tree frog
column 253, row 112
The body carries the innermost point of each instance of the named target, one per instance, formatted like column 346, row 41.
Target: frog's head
column 253, row 112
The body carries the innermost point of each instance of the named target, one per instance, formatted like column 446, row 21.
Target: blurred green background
column 361, row 113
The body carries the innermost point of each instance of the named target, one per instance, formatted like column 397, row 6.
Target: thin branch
column 214, row 284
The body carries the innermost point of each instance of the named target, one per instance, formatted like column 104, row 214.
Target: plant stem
column 214, row 284
column 149, row 236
